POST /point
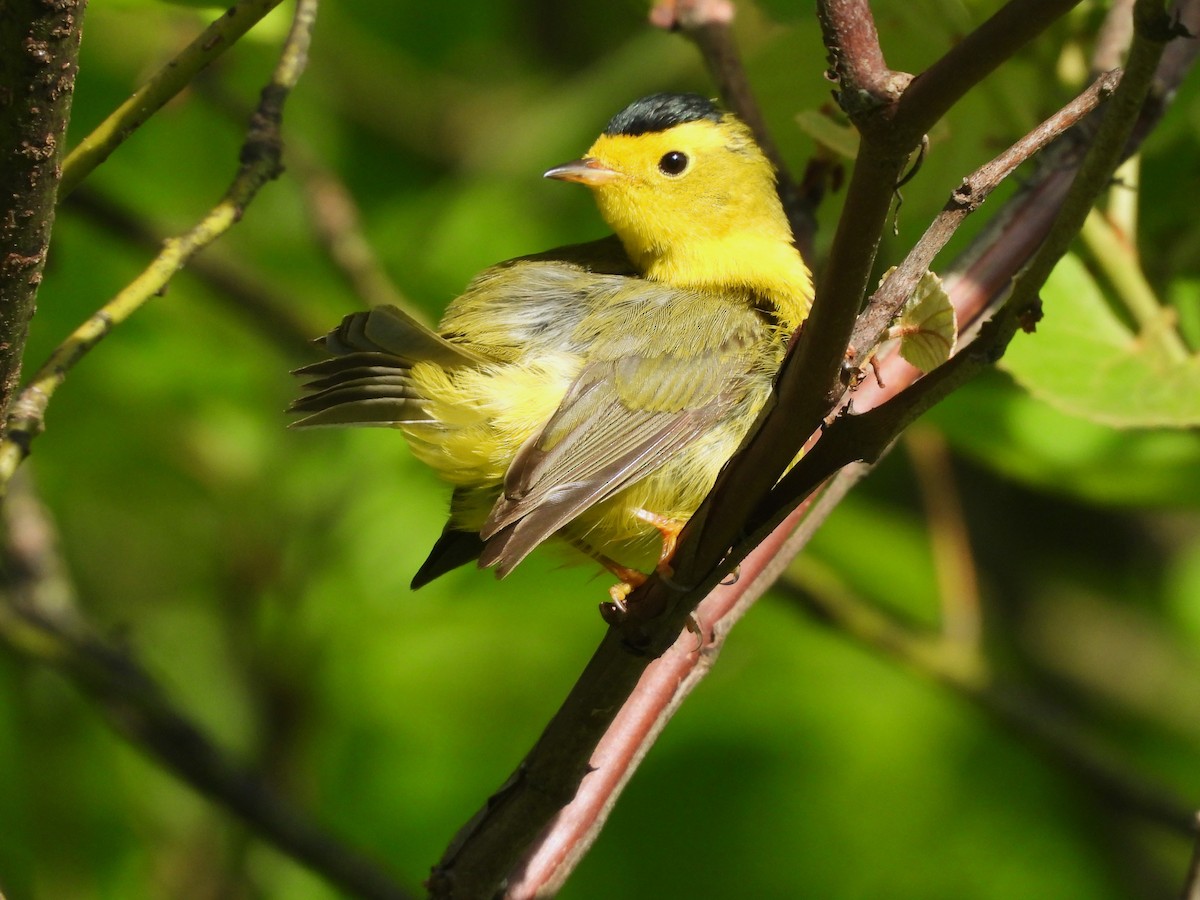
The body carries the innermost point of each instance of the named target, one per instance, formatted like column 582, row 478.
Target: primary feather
column 567, row 392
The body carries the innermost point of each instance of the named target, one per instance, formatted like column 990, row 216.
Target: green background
column 262, row 574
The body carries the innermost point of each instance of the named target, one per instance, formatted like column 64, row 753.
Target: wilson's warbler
column 593, row 392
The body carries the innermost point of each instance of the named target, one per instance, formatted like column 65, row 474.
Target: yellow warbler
column 593, row 392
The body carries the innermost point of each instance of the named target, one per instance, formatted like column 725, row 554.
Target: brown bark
column 39, row 52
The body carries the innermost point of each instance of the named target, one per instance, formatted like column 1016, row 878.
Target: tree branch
column 260, row 163
column 553, row 806
column 272, row 314
column 1114, row 36
column 332, row 212
column 709, row 25
column 163, row 85
column 810, row 380
column 865, row 82
column 867, row 435
column 971, row 60
column 39, row 58
column 886, row 302
column 335, row 220
column 480, row 859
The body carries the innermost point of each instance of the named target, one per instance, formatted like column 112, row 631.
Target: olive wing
column 665, row 367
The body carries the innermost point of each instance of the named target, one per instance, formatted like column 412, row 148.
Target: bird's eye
column 673, row 163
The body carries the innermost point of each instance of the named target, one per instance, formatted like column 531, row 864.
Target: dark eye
column 673, row 163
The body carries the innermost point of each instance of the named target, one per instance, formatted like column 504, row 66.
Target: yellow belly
column 484, row 416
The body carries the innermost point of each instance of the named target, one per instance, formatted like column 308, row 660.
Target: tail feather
column 364, row 402
column 367, row 380
column 453, row 549
column 390, row 330
column 352, row 361
column 386, row 381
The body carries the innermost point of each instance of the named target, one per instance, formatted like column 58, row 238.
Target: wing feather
column 632, row 408
column 368, row 381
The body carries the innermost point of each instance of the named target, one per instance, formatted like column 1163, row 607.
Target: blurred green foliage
column 262, row 574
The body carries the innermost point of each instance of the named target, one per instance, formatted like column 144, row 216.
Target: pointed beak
column 587, row 171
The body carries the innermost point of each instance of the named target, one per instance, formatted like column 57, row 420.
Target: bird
column 592, row 393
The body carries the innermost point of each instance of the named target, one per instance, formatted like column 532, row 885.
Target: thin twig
column 1114, row 36
column 164, row 84
column 709, row 25
column 971, row 60
column 332, row 211
column 1116, row 258
column 335, row 219
column 886, row 302
column 40, row 621
column 1153, row 29
column 949, row 539
column 260, row 163
column 271, row 314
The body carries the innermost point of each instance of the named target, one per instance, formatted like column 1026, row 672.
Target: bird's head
column 688, row 191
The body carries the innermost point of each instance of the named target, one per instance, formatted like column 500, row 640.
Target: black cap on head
column 658, row 112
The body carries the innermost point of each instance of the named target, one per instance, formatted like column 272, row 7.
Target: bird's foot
column 631, row 580
column 669, row 529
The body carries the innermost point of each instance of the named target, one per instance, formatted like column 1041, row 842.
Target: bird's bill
column 587, row 171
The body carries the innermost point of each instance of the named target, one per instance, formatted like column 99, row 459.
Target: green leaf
column 1085, row 361
column 926, row 326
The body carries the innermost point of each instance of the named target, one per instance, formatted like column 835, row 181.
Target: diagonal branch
column 270, row 312
column 260, row 163
column 886, row 302
column 164, row 84
column 867, row 435
column 972, row 59
column 810, row 380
